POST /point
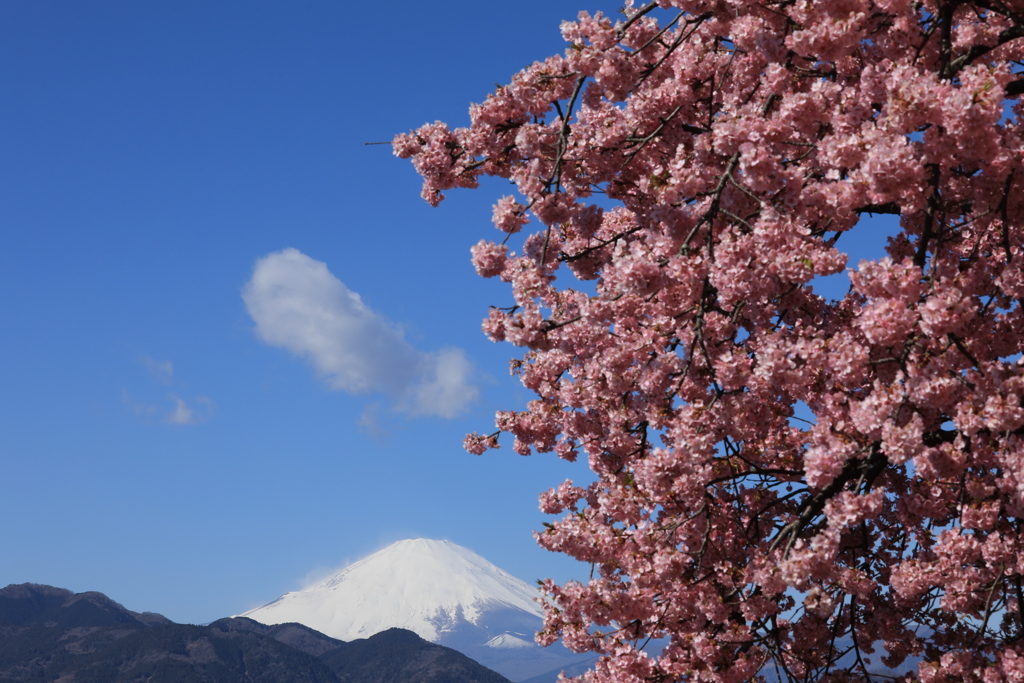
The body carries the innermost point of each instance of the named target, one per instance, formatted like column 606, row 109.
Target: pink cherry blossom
column 782, row 486
column 489, row 258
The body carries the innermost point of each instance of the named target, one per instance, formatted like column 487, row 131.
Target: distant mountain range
column 443, row 592
column 419, row 611
column 51, row 635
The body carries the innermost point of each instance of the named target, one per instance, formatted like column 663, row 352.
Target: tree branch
column 646, row 9
column 888, row 207
column 865, row 470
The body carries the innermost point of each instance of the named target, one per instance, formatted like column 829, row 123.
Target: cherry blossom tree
column 683, row 175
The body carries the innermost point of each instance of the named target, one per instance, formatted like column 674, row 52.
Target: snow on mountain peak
column 507, row 641
column 427, row 586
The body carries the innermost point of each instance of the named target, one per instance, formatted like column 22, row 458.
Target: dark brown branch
column 1012, row 33
column 642, row 142
column 1020, row 605
column 1004, row 214
column 931, row 215
column 716, row 198
column 756, row 471
column 888, row 207
column 657, row 35
column 683, row 35
column 654, row 133
column 927, row 36
column 602, row 245
column 853, row 635
column 563, row 135
column 646, row 9
column 963, row 349
column 865, row 471
column 946, row 11
column 939, row 437
column 552, row 325
column 988, row 604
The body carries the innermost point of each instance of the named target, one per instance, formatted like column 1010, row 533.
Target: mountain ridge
column 399, row 587
column 445, row 593
column 50, row 634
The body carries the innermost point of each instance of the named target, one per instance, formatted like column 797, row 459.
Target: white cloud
column 298, row 305
column 444, row 386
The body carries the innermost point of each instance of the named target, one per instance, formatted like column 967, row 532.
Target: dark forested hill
column 51, row 635
column 400, row 656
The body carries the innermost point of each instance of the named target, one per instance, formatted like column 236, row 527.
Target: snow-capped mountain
column 429, row 587
column 441, row 591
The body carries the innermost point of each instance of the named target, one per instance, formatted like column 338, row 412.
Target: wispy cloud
column 299, row 306
column 185, row 414
column 137, row 407
column 162, row 370
column 173, row 410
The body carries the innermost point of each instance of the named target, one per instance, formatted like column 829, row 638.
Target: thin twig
column 646, row 9
column 1004, row 213
column 657, row 35
column 683, row 35
column 563, row 136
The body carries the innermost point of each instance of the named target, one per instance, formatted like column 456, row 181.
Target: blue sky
column 238, row 349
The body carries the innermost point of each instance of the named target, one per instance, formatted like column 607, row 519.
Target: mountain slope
column 441, row 591
column 408, row 659
column 185, row 654
column 53, row 635
column 50, row 634
column 300, row 637
column 428, row 587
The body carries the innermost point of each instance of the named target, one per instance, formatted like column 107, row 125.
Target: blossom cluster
column 782, row 483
